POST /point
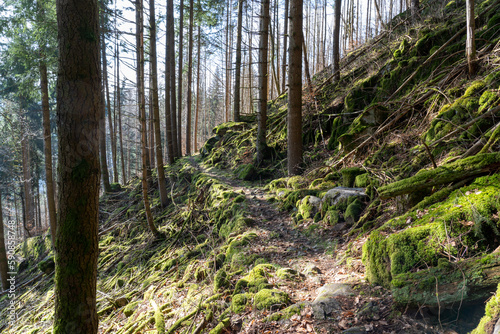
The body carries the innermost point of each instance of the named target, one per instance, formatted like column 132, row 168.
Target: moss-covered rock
column 246, row 172
column 353, row 211
column 220, row 280
column 270, row 299
column 287, row 274
column 309, row 206
column 240, row 301
column 256, row 280
column 416, row 239
column 349, row 176
column 286, row 313
column 130, row 308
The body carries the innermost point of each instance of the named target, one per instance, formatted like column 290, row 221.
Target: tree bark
column 190, row 79
column 78, row 113
column 4, row 269
column 28, row 196
column 142, row 115
column 295, row 89
column 174, row 118
column 179, row 87
column 237, row 74
column 119, row 105
column 47, row 137
column 471, row 43
column 263, row 73
column 285, row 51
column 336, row 41
column 112, row 135
column 197, row 88
column 102, row 136
column 169, row 133
column 162, row 185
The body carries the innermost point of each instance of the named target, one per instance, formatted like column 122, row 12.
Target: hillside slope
column 392, row 227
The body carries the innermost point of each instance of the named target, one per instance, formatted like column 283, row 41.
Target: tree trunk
column 285, row 51
column 197, row 88
column 179, row 88
column 47, row 136
column 169, row 133
column 119, row 105
column 306, row 66
column 142, row 114
column 336, row 41
column 176, row 151
column 102, row 136
column 108, row 104
column 295, row 89
column 47, row 140
column 4, row 269
column 263, row 73
column 78, row 113
column 237, row 74
column 162, row 185
column 28, row 197
column 189, row 79
column 471, row 43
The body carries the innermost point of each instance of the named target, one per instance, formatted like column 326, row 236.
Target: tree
column 102, row 127
column 237, row 75
column 262, row 100
column 176, row 152
column 471, row 43
column 139, row 16
column 47, row 134
column 415, row 6
column 295, row 89
column 179, row 87
column 336, row 41
column 78, row 111
column 169, row 133
column 162, row 185
column 189, row 79
column 285, row 42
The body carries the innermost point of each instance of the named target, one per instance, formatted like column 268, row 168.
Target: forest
column 250, row 166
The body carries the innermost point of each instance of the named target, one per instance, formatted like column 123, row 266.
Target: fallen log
column 449, row 173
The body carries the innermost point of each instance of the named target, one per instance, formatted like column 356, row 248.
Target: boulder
column 326, row 303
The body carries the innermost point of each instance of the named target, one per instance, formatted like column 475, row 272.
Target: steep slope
column 395, row 216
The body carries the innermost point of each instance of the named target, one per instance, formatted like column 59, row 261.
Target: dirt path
column 323, row 251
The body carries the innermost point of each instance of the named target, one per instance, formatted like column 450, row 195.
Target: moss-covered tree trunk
column 470, row 42
column 294, row 131
column 78, row 112
column 237, row 75
column 189, row 78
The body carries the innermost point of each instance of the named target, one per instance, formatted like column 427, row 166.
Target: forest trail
column 321, row 259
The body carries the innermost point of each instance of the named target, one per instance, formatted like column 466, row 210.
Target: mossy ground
column 228, row 250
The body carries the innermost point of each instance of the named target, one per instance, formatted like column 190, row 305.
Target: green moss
column 159, row 322
column 465, row 217
column 256, row 280
column 491, row 313
column 130, row 308
column 221, row 326
column 349, row 176
column 286, row 313
column 362, row 180
column 236, row 243
column 353, row 211
column 288, row 274
column 240, row 301
column 332, row 217
column 220, row 280
column 306, row 209
column 246, row 172
column 296, row 182
column 269, row 299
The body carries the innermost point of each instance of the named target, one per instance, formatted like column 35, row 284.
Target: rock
column 496, row 330
column 311, row 270
column 120, row 301
column 287, row 274
column 370, row 310
column 325, row 303
column 309, row 206
column 335, row 195
column 270, row 299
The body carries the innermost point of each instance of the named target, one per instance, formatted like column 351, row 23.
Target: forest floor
column 322, row 258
